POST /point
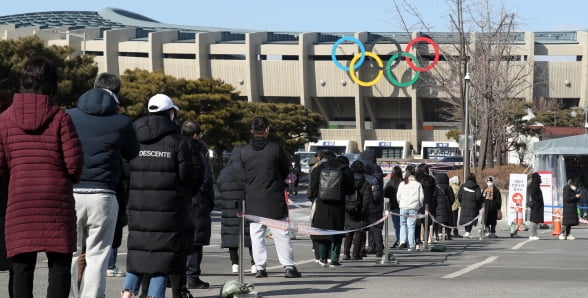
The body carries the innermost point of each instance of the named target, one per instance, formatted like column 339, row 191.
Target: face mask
column 573, row 187
column 490, row 183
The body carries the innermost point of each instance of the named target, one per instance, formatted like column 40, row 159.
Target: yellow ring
column 372, row 82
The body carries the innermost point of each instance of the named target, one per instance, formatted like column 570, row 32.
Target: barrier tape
column 308, row 230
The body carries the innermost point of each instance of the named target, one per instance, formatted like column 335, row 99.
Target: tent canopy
column 574, row 145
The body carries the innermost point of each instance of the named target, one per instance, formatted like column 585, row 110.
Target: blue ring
column 334, row 52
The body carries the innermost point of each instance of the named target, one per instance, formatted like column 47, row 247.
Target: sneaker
column 197, row 284
column 261, row 273
column 466, row 235
column 346, row 257
column 418, row 246
column 323, row 263
column 335, row 265
column 571, row 237
column 115, row 272
column 292, row 272
column 402, row 245
column 492, row 235
column 533, row 238
column 235, row 268
column 562, row 237
column 253, row 269
column 410, row 249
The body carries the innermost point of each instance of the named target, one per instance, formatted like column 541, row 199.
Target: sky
column 318, row 15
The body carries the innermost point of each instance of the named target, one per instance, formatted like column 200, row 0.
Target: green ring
column 389, row 73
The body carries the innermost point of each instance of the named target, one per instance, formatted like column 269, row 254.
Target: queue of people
column 89, row 159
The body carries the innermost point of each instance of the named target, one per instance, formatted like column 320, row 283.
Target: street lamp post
column 466, row 128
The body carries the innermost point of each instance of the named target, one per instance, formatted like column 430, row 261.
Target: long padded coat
column 536, row 196
column 159, row 207
column 570, row 207
column 42, row 156
column 470, row 198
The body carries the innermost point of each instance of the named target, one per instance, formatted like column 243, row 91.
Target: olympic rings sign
column 359, row 58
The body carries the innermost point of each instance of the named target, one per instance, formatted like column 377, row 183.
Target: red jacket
column 41, row 157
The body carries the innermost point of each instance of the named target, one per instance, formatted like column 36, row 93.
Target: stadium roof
column 105, row 18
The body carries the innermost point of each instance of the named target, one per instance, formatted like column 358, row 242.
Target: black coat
column 390, row 192
column 443, row 197
column 365, row 192
column 331, row 215
column 159, row 211
column 570, row 207
column 231, row 185
column 536, row 197
column 470, row 198
column 266, row 166
column 491, row 207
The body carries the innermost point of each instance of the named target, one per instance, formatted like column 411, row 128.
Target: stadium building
column 298, row 67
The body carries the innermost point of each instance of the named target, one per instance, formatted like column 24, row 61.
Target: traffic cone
column 556, row 222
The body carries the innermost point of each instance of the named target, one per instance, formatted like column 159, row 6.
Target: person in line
column 41, row 159
column 330, row 215
column 357, row 217
column 316, row 161
column 202, row 201
column 375, row 176
column 571, row 196
column 122, row 197
column 492, row 203
column 410, row 200
column 390, row 192
column 425, row 178
column 535, row 204
column 106, row 137
column 470, row 199
column 443, row 198
column 266, row 166
column 159, row 210
column 454, row 183
column 231, row 185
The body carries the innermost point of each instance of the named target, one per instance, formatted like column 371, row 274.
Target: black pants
column 567, row 230
column 234, row 255
column 194, row 260
column 353, row 238
column 59, row 265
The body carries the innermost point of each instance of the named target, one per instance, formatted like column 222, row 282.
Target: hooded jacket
column 410, row 195
column 159, row 209
column 106, row 136
column 470, row 198
column 41, row 155
column 266, row 166
column 536, row 197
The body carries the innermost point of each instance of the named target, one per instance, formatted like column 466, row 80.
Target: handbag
column 499, row 214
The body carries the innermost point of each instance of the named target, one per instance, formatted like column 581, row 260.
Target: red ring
column 435, row 60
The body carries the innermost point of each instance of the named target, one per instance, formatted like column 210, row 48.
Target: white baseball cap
column 160, row 103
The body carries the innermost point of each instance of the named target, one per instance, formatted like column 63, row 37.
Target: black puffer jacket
column 231, row 185
column 266, row 166
column 470, row 198
column 443, row 197
column 365, row 192
column 203, row 201
column 105, row 136
column 159, row 210
column 570, row 207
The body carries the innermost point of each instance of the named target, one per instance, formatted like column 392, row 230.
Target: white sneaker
column 562, row 237
column 534, row 238
column 466, row 235
column 235, row 268
column 115, row 272
column 571, row 237
column 253, row 269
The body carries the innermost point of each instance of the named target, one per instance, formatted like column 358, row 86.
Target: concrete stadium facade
column 286, row 67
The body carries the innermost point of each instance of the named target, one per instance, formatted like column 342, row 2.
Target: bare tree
column 483, row 46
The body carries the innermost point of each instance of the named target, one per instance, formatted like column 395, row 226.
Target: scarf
column 489, row 193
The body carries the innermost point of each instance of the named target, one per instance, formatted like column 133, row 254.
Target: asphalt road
column 502, row 267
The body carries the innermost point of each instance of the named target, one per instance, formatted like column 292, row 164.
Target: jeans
column 396, row 224
column 407, row 226
column 23, row 266
column 156, row 284
column 112, row 258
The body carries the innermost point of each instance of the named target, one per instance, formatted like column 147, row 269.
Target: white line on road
column 471, row 267
column 520, row 244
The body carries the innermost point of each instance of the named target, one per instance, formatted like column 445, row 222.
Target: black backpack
column 354, row 202
column 331, row 184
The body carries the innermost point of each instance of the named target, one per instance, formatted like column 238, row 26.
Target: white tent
column 550, row 155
